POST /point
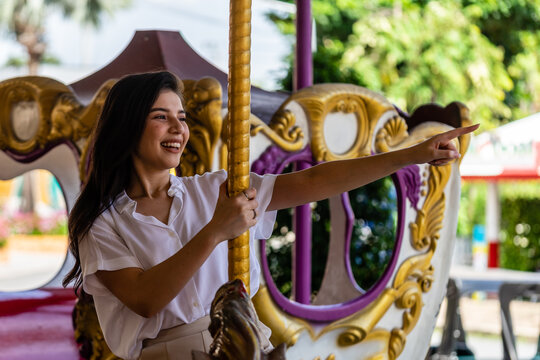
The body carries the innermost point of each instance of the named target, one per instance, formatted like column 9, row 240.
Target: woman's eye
column 182, row 119
column 162, row 117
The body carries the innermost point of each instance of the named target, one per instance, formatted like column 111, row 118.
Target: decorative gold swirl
column 391, row 135
column 282, row 130
column 72, row 120
column 285, row 328
column 428, row 222
column 238, row 126
column 396, row 343
column 351, row 337
column 320, row 100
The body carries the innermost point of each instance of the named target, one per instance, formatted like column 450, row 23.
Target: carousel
column 45, row 124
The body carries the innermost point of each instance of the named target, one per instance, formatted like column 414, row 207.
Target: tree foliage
column 482, row 53
column 520, row 243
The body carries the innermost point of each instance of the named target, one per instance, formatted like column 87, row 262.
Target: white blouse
column 121, row 238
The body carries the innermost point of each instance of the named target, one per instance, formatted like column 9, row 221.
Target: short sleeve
column 103, row 249
column 264, row 184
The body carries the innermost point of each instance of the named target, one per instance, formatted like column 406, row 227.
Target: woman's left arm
column 335, row 177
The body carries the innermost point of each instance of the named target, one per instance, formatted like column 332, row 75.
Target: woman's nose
column 176, row 126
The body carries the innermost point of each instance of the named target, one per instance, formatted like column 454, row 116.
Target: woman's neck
column 148, row 185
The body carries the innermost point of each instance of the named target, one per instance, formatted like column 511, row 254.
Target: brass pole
column 238, row 125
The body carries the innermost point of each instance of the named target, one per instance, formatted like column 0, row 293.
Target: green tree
column 514, row 26
column 413, row 52
column 25, row 19
column 520, row 230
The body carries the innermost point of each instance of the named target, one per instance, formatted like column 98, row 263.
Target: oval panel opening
column 374, row 233
column 33, row 230
column 371, row 245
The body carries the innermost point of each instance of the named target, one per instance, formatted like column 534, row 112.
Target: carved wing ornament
column 202, row 101
column 26, row 105
column 36, row 111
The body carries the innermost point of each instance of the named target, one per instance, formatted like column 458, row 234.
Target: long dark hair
column 118, row 131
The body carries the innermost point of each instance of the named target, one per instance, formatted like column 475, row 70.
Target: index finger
column 449, row 135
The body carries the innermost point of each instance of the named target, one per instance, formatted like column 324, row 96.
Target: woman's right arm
column 146, row 292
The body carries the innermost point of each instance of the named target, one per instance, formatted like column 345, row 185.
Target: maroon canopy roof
column 166, row 50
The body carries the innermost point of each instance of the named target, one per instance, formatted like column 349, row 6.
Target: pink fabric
column 36, row 325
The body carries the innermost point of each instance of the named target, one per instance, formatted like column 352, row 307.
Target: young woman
column 150, row 247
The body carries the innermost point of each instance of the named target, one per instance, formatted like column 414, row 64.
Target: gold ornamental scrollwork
column 73, row 120
column 281, row 130
column 27, row 103
column 392, row 134
column 202, row 101
column 425, row 230
column 415, row 275
column 285, row 328
column 59, row 114
column 321, row 100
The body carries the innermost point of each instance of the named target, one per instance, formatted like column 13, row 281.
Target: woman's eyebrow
column 181, row 112
column 158, row 109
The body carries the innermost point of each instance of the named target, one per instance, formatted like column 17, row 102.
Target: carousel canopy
column 166, row 50
column 509, row 152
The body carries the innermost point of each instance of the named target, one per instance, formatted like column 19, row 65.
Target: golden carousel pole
column 238, row 126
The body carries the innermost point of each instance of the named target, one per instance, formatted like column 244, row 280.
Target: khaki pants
column 176, row 343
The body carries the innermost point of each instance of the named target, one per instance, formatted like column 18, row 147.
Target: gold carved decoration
column 59, row 114
column 282, row 130
column 393, row 133
column 88, row 332
column 285, row 328
column 36, row 96
column 203, row 110
column 321, row 100
column 72, row 120
column 413, row 278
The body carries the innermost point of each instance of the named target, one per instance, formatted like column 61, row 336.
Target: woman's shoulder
column 205, row 177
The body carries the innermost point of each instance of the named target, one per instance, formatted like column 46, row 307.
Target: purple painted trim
column 413, row 182
column 325, row 313
column 349, row 225
column 302, row 249
column 274, row 160
column 39, row 152
column 304, row 62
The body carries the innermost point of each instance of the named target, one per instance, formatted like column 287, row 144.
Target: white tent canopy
column 511, row 151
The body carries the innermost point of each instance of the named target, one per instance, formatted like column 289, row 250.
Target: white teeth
column 175, row 145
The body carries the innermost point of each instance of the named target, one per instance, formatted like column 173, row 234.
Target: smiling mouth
column 171, row 145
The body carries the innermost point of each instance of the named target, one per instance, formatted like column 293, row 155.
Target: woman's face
column 165, row 134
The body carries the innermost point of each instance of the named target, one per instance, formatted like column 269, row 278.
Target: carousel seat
column 321, row 123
